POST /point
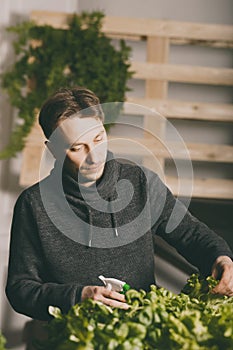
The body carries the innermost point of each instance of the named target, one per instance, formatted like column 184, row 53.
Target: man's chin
column 91, row 176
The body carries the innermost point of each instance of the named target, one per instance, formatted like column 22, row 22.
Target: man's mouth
column 92, row 167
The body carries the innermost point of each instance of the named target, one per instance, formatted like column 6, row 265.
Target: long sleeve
column 28, row 288
column 176, row 225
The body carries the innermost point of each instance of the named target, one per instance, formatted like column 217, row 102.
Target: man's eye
column 99, row 138
column 76, row 149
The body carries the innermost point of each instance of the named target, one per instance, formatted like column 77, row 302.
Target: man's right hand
column 107, row 297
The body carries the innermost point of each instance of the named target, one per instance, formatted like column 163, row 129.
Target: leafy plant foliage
column 48, row 58
column 2, row 342
column 157, row 320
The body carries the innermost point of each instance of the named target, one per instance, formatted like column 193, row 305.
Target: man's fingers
column 114, row 299
column 111, row 298
column 225, row 285
column 115, row 303
column 114, row 295
column 107, row 297
column 215, row 273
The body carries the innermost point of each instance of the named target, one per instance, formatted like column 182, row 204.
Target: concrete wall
column 206, row 11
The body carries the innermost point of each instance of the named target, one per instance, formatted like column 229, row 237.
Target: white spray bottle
column 115, row 284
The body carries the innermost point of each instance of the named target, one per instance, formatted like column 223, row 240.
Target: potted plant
column 48, row 58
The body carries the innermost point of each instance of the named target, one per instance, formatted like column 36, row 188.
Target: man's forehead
column 80, row 129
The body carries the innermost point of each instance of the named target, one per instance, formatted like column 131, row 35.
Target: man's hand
column 107, row 297
column 223, row 270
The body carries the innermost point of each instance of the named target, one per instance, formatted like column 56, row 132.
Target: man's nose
column 92, row 156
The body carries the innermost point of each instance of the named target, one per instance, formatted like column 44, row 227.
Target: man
column 95, row 215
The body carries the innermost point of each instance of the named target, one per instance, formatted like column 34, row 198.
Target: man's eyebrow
column 81, row 143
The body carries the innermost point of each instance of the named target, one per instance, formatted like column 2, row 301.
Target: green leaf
column 53, row 58
column 157, row 320
column 2, row 342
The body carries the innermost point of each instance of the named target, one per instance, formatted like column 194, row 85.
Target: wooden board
column 183, row 110
column 183, row 73
column 202, row 188
column 146, row 27
column 195, row 151
column 157, row 52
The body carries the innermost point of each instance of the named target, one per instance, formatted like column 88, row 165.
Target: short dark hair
column 66, row 102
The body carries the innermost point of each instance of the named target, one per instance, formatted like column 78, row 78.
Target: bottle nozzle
column 115, row 284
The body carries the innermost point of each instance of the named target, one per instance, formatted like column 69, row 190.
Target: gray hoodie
column 64, row 236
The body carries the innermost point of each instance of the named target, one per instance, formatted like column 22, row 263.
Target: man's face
column 87, row 149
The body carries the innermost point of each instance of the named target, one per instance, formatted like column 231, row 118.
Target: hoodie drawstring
column 91, row 228
column 113, row 220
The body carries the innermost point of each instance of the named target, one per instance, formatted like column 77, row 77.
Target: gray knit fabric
column 49, row 264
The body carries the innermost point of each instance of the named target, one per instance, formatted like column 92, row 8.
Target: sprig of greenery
column 48, row 58
column 158, row 319
column 2, row 342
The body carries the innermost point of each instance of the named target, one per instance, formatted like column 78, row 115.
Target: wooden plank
column 145, row 27
column 167, row 28
column 176, row 41
column 208, row 43
column 36, row 136
column 54, row 19
column 145, row 147
column 182, row 110
column 157, row 52
column 31, row 164
column 183, row 73
column 206, row 152
column 31, row 155
column 202, row 188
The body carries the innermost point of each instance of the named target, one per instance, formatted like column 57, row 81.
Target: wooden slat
column 31, row 156
column 182, row 110
column 157, row 52
column 167, row 28
column 202, row 188
column 145, row 27
column 209, row 43
column 31, row 164
column 36, row 136
column 182, row 73
column 176, row 41
column 207, row 152
column 196, row 151
column 54, row 19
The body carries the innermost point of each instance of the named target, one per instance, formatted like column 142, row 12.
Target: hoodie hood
column 104, row 187
column 87, row 201
column 113, row 212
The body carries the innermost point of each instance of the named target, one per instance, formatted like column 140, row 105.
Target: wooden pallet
column 157, row 73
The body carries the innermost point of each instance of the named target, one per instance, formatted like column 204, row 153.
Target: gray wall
column 206, row 11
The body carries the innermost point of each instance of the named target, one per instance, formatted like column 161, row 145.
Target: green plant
column 156, row 320
column 2, row 342
column 48, row 58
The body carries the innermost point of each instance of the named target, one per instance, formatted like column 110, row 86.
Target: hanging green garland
column 48, row 58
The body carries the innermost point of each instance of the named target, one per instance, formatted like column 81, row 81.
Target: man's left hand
column 223, row 270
